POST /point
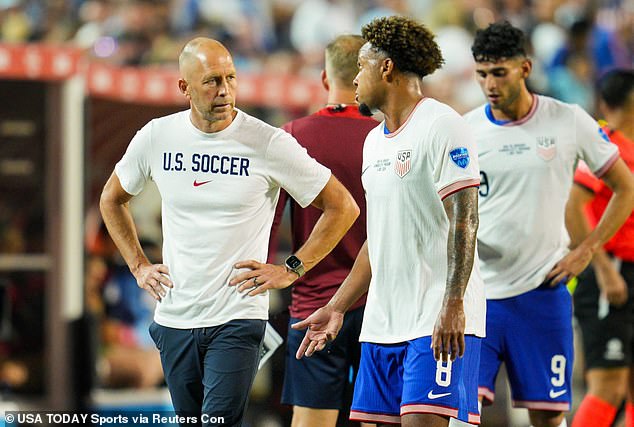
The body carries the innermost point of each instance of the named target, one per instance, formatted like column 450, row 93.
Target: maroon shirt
column 334, row 136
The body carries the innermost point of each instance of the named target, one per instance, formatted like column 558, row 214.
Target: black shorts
column 607, row 330
column 323, row 380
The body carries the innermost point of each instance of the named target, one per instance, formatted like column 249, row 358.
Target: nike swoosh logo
column 363, row 171
column 198, row 184
column 555, row 394
column 433, row 396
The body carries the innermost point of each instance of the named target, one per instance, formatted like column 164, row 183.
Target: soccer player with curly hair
column 424, row 314
column 528, row 147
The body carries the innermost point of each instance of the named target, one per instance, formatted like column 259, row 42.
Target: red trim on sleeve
column 606, row 167
column 457, row 186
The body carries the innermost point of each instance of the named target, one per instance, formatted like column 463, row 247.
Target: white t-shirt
column 527, row 168
column 219, row 192
column 405, row 176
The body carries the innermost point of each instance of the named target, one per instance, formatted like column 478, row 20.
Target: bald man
column 219, row 172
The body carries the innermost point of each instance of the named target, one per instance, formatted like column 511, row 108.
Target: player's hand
column 154, row 278
column 447, row 340
column 612, row 284
column 323, row 326
column 569, row 266
column 262, row 277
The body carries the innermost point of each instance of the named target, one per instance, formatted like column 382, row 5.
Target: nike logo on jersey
column 555, row 394
column 433, row 396
column 198, row 184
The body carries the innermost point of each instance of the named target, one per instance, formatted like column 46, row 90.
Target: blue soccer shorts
column 532, row 334
column 400, row 379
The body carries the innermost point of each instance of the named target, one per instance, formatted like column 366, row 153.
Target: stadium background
column 79, row 77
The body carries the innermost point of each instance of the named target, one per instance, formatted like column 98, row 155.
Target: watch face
column 293, row 262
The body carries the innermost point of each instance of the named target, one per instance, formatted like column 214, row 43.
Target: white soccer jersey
column 405, row 176
column 527, row 168
column 219, row 192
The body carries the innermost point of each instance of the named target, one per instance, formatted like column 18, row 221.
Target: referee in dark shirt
column 334, row 136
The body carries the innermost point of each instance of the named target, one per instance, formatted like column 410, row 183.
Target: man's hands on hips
column 154, row 278
column 570, row 266
column 262, row 277
column 323, row 326
column 447, row 339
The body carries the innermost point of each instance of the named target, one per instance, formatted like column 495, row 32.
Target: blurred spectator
column 602, row 46
column 316, row 22
column 288, row 36
column 515, row 12
column 454, row 83
column 128, row 357
column 93, row 17
column 547, row 39
column 573, row 82
column 380, row 8
column 15, row 25
column 57, row 20
column 247, row 24
column 22, row 317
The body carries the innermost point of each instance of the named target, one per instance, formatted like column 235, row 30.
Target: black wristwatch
column 295, row 265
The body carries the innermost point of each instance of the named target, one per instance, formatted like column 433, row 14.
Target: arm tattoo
column 462, row 211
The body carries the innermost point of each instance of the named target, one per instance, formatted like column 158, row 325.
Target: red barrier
column 38, row 62
column 147, row 85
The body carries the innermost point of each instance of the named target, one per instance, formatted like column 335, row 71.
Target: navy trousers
column 210, row 371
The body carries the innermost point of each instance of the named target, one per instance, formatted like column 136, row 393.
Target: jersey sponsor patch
column 403, row 163
column 460, row 156
column 546, row 148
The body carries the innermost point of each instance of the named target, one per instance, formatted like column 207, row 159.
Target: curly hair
column 409, row 44
column 499, row 40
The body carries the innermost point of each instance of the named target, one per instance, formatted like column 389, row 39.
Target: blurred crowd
column 572, row 41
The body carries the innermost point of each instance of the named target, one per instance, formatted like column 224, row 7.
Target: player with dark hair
column 499, row 41
column 219, row 172
column 528, row 147
column 424, row 314
column 604, row 296
column 317, row 386
column 406, row 40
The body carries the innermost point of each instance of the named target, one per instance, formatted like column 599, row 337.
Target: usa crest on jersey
column 403, row 163
column 546, row 148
